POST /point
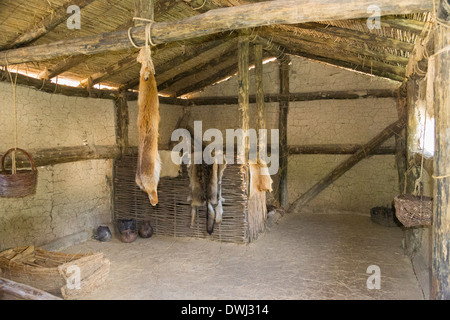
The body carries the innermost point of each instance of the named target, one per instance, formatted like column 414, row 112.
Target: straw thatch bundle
column 49, row 271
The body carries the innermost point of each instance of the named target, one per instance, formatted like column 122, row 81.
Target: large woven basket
column 413, row 211
column 51, row 271
column 19, row 184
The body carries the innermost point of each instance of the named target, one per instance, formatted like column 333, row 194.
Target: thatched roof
column 184, row 67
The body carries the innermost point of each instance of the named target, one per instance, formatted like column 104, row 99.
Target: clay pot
column 145, row 230
column 128, row 236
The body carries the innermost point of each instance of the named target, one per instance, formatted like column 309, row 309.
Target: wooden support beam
column 125, row 63
column 167, row 70
column 337, row 149
column 441, row 199
column 53, row 88
column 337, row 51
column 400, row 140
column 301, row 96
column 23, row 291
column 362, row 153
column 226, row 68
column 52, row 156
column 62, row 67
column 332, row 44
column 244, row 86
column 202, row 61
column 282, row 127
column 144, row 9
column 122, row 120
column 72, row 61
column 214, row 21
column 259, row 86
column 342, row 60
column 47, row 24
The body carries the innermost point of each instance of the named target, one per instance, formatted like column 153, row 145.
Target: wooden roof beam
column 47, row 24
column 350, row 34
column 341, row 60
column 110, row 70
column 227, row 68
column 335, row 51
column 214, row 21
column 190, row 52
column 202, row 61
column 363, row 50
column 72, row 61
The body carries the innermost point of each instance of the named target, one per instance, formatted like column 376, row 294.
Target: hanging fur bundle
column 149, row 163
column 260, row 179
column 206, row 189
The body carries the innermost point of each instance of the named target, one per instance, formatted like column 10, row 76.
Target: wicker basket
column 19, row 184
column 413, row 211
column 50, row 271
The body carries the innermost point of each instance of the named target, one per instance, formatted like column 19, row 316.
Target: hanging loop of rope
column 145, row 55
column 13, row 153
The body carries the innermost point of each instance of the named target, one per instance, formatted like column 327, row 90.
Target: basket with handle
column 20, row 183
column 413, row 211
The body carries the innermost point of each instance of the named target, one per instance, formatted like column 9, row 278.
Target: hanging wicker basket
column 413, row 211
column 19, row 184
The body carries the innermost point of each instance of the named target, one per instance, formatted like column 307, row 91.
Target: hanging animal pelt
column 149, row 163
column 260, row 179
column 205, row 183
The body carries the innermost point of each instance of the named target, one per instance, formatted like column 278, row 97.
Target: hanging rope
column 145, row 55
column 13, row 153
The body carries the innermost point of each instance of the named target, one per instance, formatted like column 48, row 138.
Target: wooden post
column 413, row 236
column 282, row 127
column 441, row 199
column 259, row 86
column 400, row 141
column 122, row 120
column 143, row 9
column 243, row 85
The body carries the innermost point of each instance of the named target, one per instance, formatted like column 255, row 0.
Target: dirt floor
column 304, row 256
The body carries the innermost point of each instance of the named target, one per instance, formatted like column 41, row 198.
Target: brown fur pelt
column 149, row 163
column 260, row 179
column 205, row 183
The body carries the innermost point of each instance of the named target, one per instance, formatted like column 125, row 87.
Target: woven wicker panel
column 172, row 214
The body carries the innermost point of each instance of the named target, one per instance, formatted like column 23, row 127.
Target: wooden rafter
column 355, row 35
column 223, row 69
column 320, row 53
column 334, row 49
column 110, row 70
column 302, row 96
column 72, row 61
column 331, row 42
column 203, row 61
column 214, row 21
column 47, row 24
column 168, row 70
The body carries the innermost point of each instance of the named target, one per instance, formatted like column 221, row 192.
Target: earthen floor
column 304, row 256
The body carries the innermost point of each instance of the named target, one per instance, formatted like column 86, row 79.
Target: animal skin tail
column 153, row 197
column 210, row 218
